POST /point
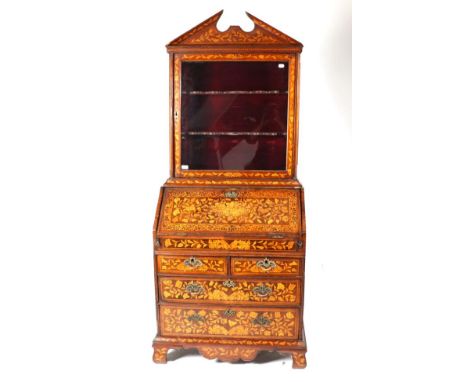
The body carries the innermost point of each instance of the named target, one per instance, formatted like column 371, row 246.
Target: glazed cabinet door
column 234, row 113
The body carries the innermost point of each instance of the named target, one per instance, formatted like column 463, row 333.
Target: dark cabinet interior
column 234, row 115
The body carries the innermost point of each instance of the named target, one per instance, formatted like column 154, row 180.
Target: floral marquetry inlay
column 213, row 322
column 232, row 182
column 241, row 291
column 180, row 265
column 245, row 266
column 224, row 353
column 231, row 341
column 207, row 33
column 160, row 354
column 232, row 35
column 210, row 210
column 230, row 245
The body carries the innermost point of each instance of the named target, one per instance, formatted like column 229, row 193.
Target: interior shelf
column 235, row 133
column 232, row 92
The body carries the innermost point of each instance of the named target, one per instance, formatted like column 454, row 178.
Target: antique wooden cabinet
column 229, row 231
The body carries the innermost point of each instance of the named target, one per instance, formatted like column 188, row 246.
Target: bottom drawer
column 233, row 322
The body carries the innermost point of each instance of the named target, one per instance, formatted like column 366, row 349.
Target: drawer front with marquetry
column 231, row 322
column 265, row 265
column 283, row 292
column 284, row 245
column 192, row 265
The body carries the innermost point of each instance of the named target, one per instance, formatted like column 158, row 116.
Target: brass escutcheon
column 262, row 290
column 192, row 262
column 229, row 313
column 266, row 264
column 194, row 288
column 231, row 194
column 261, row 320
column 229, row 283
column 195, row 318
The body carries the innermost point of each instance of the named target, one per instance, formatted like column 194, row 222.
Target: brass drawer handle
column 195, row 318
column 266, row 264
column 192, row 262
column 229, row 313
column 231, row 194
column 194, row 288
column 261, row 320
column 229, row 284
column 262, row 290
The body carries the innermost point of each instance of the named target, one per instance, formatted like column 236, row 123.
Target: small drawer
column 279, row 292
column 231, row 322
column 263, row 265
column 192, row 265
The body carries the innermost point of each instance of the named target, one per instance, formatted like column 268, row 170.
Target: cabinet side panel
column 155, row 247
column 304, row 240
column 296, row 119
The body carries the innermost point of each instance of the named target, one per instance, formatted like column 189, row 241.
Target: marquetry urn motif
column 229, row 233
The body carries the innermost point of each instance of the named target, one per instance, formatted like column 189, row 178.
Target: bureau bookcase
column 229, row 232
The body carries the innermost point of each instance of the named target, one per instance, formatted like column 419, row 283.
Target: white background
column 84, row 150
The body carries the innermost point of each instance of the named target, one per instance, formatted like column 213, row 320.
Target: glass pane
column 234, row 115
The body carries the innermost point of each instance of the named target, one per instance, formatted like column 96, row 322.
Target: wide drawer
column 283, row 292
column 192, row 265
column 265, row 265
column 244, row 244
column 232, row 322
